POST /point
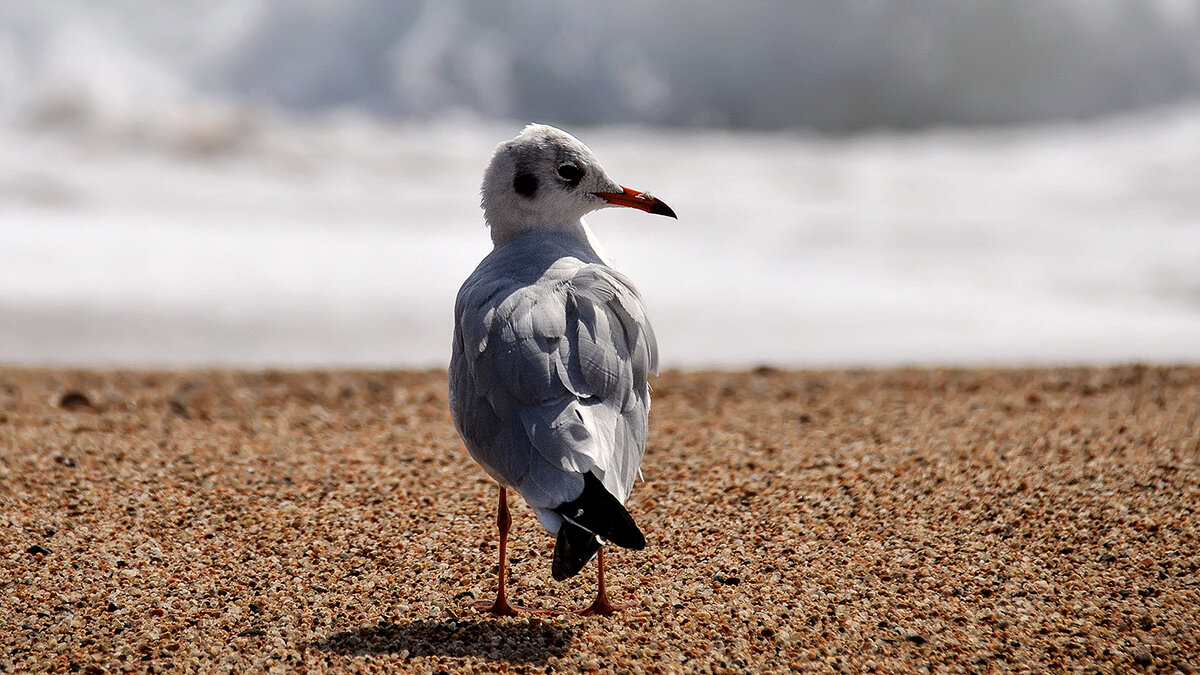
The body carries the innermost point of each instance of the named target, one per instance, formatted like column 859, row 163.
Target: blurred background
column 295, row 182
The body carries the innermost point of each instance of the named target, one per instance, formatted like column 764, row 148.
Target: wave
column 134, row 68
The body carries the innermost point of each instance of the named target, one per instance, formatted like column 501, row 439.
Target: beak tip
column 637, row 200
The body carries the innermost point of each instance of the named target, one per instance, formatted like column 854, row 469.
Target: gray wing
column 548, row 380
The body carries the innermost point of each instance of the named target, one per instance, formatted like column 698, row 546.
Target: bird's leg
column 501, row 606
column 503, row 522
column 601, row 605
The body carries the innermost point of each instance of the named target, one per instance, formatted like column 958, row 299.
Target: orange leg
column 601, row 605
column 501, row 607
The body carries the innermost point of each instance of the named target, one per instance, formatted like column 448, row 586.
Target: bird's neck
column 577, row 232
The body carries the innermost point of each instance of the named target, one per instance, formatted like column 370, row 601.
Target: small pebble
column 75, row 400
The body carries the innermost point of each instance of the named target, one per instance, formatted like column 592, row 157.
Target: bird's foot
column 603, row 607
column 502, row 607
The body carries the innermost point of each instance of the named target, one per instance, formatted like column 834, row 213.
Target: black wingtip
column 599, row 512
column 574, row 548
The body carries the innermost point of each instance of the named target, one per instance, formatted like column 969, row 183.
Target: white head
column 545, row 179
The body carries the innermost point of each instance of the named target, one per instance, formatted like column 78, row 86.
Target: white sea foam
column 342, row 240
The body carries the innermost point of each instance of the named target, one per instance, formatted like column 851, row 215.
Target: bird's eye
column 571, row 174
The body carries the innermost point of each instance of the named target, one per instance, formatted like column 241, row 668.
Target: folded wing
column 548, row 380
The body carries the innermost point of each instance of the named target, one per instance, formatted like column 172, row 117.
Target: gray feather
column 548, row 371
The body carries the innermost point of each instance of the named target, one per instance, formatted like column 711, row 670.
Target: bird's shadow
column 530, row 641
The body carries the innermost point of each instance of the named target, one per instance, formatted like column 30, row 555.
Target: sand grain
column 216, row 521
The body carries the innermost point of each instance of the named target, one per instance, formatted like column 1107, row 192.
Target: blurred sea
column 296, row 182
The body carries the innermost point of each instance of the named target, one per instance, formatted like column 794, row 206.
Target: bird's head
column 546, row 178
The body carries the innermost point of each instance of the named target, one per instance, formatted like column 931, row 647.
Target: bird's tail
column 596, row 513
column 575, row 546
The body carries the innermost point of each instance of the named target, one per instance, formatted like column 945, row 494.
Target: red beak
column 637, row 200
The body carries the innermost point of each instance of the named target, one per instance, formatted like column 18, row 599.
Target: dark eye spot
column 571, row 174
column 525, row 184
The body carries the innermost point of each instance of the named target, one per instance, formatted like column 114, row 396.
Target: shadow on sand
column 529, row 641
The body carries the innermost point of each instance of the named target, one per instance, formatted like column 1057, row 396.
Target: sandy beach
column 330, row 521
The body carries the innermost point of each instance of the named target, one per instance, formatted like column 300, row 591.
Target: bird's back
column 548, row 374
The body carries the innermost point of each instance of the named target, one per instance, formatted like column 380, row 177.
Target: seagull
column 551, row 354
